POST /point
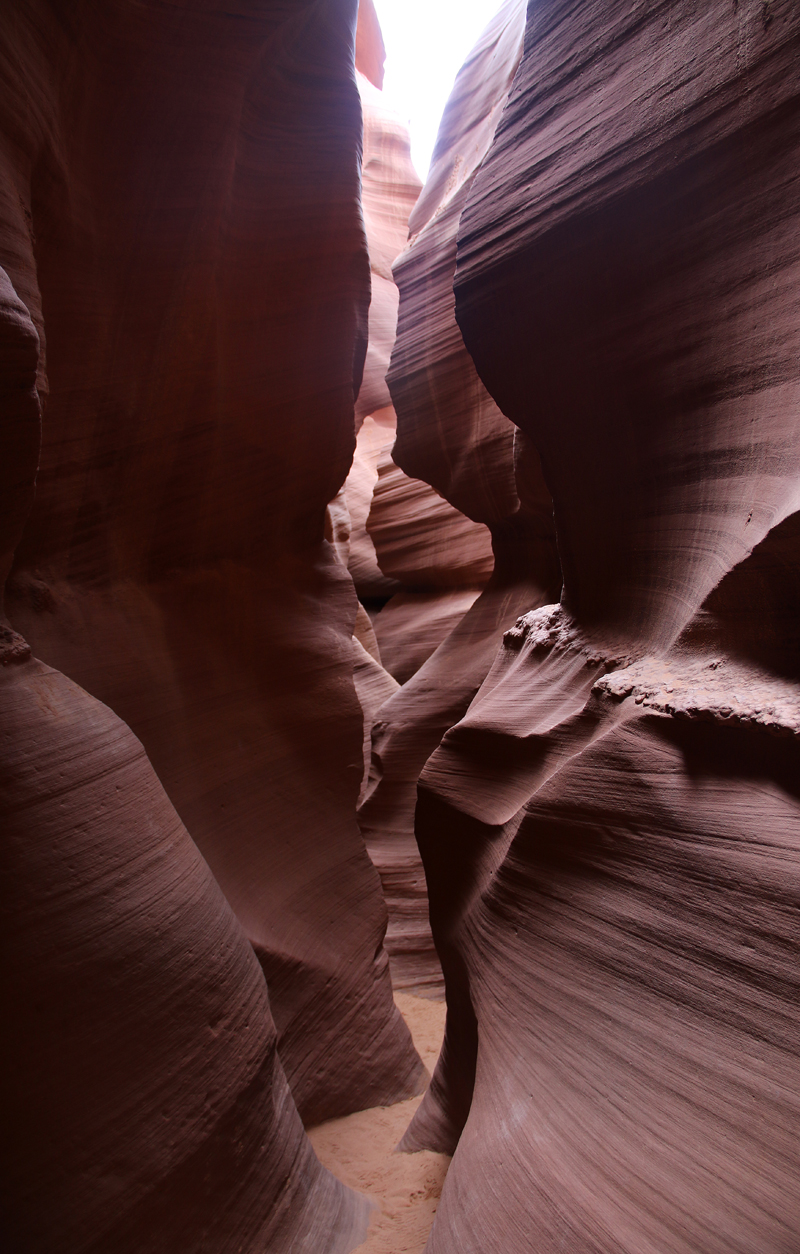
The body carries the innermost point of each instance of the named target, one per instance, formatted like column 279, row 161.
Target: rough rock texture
column 610, row 835
column 450, row 433
column 144, row 1106
column 180, row 205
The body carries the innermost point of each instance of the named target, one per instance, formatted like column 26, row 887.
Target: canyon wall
column 589, row 531
column 182, row 218
column 405, row 542
column 144, row 1103
column 188, row 287
column 452, row 436
column 610, row 834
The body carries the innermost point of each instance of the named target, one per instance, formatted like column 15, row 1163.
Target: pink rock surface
column 403, row 535
column 389, row 190
column 421, row 539
column 451, row 434
column 610, row 834
column 370, row 48
column 181, row 197
column 413, row 625
column 144, row 1106
column 375, row 439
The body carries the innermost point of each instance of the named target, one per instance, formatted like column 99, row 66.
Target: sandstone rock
column 450, row 432
column 144, row 1106
column 374, row 686
column 403, row 536
column 413, row 625
column 610, row 833
column 421, row 539
column 389, row 190
column 375, row 439
column 370, row 49
column 452, row 435
column 191, row 178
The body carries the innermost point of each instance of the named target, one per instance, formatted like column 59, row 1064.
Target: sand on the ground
column 360, row 1150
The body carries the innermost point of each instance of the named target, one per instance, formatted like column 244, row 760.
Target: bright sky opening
column 427, row 42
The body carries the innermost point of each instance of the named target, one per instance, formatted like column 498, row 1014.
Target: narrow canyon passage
column 399, row 632
column 361, row 1150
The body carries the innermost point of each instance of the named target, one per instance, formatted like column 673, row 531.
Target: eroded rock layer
column 610, row 835
column 450, row 434
column 180, row 212
column 144, row 1104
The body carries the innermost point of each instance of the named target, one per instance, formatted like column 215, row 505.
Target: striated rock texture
column 610, row 835
column 436, row 558
column 144, row 1105
column 451, row 434
column 180, row 213
column 404, row 538
column 389, row 189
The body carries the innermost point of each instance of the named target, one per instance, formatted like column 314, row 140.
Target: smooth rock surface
column 452, row 435
column 389, row 190
column 421, row 540
column 181, row 198
column 610, row 834
column 144, row 1107
column 144, row 1104
column 412, row 625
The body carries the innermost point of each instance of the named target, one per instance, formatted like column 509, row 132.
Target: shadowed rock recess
column 555, row 451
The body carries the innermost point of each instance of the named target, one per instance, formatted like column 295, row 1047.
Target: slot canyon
column 400, row 633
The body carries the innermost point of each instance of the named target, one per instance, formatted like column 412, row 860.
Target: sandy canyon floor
column 360, row 1150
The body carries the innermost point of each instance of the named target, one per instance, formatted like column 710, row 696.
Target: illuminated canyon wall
column 540, row 416
column 611, row 834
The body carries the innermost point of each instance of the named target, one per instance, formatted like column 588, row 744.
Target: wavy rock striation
column 610, row 835
column 144, row 1104
column 404, row 538
column 181, row 209
column 451, row 434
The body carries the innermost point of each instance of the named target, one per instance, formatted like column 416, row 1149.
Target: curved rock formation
column 389, row 189
column 182, row 187
column 610, row 835
column 451, row 434
column 404, row 537
column 144, row 1105
column 436, row 558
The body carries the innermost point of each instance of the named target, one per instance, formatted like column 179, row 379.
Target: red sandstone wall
column 144, row 1104
column 450, row 434
column 610, row 834
column 187, row 206
column 180, row 214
